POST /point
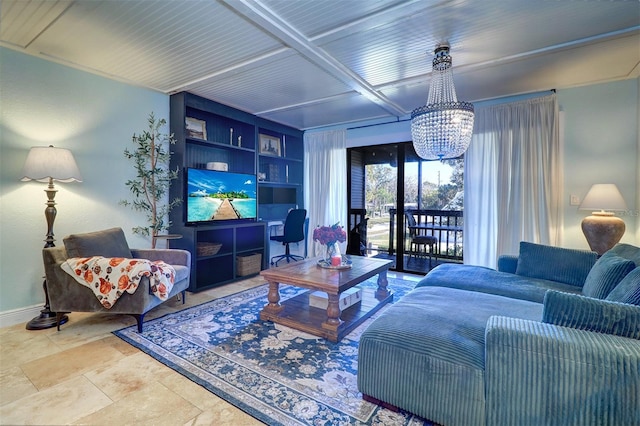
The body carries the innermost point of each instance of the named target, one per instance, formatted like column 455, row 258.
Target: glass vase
column 333, row 250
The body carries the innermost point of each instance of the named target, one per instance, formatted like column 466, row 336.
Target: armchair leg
column 184, row 296
column 139, row 319
column 61, row 318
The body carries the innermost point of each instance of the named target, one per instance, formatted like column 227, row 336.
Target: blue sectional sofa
column 550, row 338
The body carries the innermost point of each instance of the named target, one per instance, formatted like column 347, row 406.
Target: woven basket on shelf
column 208, row 249
column 248, row 264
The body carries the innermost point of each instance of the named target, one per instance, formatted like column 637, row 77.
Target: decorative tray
column 346, row 264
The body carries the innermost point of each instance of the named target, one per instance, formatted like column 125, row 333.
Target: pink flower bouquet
column 328, row 235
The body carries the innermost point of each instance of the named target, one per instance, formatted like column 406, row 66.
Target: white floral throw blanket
column 110, row 277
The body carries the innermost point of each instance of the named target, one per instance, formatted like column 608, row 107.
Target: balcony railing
column 445, row 225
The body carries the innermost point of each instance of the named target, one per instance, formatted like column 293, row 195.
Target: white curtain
column 511, row 181
column 325, row 188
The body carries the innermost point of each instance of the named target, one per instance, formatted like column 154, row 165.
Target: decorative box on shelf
column 248, row 264
column 319, row 299
column 218, row 165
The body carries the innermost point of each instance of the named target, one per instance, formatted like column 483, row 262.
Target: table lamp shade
column 602, row 229
column 47, row 162
column 604, row 196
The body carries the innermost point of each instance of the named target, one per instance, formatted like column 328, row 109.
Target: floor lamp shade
column 48, row 164
column 602, row 229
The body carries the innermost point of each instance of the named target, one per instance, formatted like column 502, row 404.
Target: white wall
column 45, row 103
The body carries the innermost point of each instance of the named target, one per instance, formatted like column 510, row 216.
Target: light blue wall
column 601, row 144
column 45, row 103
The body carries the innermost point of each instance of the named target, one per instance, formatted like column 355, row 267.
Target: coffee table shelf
column 330, row 323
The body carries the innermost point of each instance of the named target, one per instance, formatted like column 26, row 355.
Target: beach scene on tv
column 220, row 196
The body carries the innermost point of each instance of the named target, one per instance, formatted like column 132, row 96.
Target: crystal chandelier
column 442, row 128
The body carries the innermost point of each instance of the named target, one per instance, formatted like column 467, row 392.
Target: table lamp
column 602, row 229
column 46, row 164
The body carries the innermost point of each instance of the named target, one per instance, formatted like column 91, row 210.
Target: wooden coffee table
column 332, row 324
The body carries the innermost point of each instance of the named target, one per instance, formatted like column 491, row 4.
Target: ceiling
column 314, row 63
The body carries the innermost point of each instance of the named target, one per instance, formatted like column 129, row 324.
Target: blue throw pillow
column 568, row 266
column 608, row 271
column 628, row 290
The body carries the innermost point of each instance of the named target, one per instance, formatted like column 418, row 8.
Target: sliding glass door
column 433, row 203
column 393, row 188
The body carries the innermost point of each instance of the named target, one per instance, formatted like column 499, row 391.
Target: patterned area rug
column 278, row 375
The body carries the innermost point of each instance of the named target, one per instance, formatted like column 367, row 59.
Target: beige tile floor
column 85, row 375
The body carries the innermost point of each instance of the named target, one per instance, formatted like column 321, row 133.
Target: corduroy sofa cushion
column 627, row 251
column 487, row 280
column 106, row 243
column 586, row 313
column 628, row 290
column 426, row 353
column 608, row 271
column 559, row 264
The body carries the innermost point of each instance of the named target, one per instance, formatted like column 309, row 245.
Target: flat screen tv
column 220, row 196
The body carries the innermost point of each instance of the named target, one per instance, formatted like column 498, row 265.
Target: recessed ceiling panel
column 22, row 21
column 156, row 44
column 403, row 48
column 280, row 83
column 342, row 109
column 326, row 15
column 588, row 65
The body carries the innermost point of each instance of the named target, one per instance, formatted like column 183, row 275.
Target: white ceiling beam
column 265, row 18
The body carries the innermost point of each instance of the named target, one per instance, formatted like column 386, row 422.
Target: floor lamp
column 46, row 164
column 602, row 229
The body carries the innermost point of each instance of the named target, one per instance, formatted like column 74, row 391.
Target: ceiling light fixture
column 443, row 127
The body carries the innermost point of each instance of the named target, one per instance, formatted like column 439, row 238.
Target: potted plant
column 153, row 177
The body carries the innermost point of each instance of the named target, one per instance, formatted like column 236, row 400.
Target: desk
column 275, row 225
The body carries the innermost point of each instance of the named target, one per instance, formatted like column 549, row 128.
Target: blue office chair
column 293, row 233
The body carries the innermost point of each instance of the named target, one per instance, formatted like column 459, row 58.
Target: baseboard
column 18, row 316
